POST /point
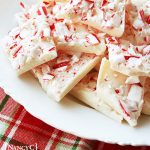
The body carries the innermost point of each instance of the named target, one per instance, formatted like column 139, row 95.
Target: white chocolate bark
column 78, row 37
column 146, row 106
column 129, row 59
column 138, row 22
column 30, row 44
column 124, row 94
column 59, row 76
column 107, row 16
column 85, row 91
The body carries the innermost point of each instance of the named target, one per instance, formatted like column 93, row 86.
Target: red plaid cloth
column 19, row 130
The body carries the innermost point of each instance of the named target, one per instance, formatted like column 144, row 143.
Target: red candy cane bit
column 145, row 39
column 142, row 15
column 42, row 34
column 94, row 89
column 46, row 3
column 122, row 107
column 104, row 2
column 68, row 26
column 35, row 33
column 22, row 5
column 148, row 19
column 124, row 49
column 84, row 16
column 15, row 54
column 112, row 40
column 51, row 74
column 112, row 15
column 13, row 46
column 39, row 12
column 68, row 38
column 71, row 1
column 59, row 20
column 117, row 91
column 50, row 3
column 75, row 73
column 16, row 36
column 52, row 27
column 44, row 10
column 96, row 37
column 138, row 84
column 52, row 49
column 137, row 49
column 62, row 64
column 27, row 16
column 128, row 57
column 90, row 1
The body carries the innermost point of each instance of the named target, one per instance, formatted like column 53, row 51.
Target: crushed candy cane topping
column 108, row 14
column 60, row 71
column 75, row 33
column 138, row 23
column 129, row 59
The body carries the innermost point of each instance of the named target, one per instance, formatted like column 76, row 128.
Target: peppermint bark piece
column 29, row 45
column 138, row 21
column 78, row 37
column 129, row 59
column 146, row 106
column 105, row 15
column 86, row 91
column 124, row 94
column 59, row 76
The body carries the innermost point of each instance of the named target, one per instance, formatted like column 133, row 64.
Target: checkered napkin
column 21, row 131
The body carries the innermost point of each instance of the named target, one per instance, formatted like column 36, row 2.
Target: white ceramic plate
column 69, row 115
